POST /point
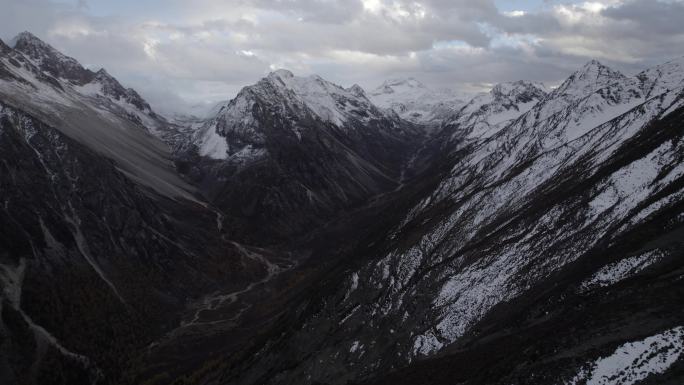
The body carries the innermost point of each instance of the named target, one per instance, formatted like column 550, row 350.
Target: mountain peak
column 26, row 37
column 410, row 81
column 593, row 63
column 104, row 77
column 356, row 90
column 281, row 74
column 589, row 78
column 50, row 60
column 509, row 89
column 595, row 67
column 518, row 92
column 392, row 85
column 30, row 44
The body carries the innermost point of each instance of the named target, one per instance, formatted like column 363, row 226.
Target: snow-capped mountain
column 415, row 102
column 337, row 147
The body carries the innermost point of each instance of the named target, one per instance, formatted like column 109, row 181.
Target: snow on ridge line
column 327, row 100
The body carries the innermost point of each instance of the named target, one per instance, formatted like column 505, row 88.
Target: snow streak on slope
column 617, row 271
column 635, row 361
column 213, row 145
column 11, row 281
column 82, row 245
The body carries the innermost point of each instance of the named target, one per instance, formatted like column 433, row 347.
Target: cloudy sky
column 177, row 52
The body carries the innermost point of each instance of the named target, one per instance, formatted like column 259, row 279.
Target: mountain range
column 307, row 233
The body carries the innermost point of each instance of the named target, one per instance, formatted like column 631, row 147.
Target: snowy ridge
column 662, row 78
column 488, row 113
column 587, row 80
column 324, row 99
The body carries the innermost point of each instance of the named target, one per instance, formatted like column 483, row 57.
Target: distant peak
column 113, row 85
column 595, row 68
column 400, row 86
column 593, row 62
column 517, row 87
column 103, row 74
column 590, row 77
column 408, row 82
column 356, row 90
column 282, row 74
column 27, row 37
column 30, row 45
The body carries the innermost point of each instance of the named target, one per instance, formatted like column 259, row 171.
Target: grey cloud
column 529, row 23
column 320, row 11
column 31, row 15
column 652, row 17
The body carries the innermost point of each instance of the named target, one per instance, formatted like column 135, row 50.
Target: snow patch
column 212, row 144
column 635, row 361
column 620, row 270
